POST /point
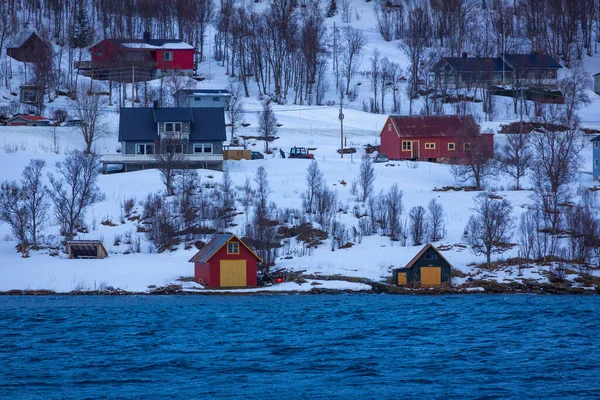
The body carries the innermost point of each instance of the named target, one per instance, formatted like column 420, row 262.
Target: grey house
column 209, row 98
column 197, row 134
column 596, row 83
column 595, row 158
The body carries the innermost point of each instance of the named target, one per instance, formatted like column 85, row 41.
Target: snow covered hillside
column 312, row 126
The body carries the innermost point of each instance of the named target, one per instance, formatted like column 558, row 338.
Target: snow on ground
column 301, row 125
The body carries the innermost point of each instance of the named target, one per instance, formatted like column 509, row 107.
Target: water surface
column 298, row 346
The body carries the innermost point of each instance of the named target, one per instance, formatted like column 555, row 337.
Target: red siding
column 210, row 272
column 391, row 143
column 182, row 59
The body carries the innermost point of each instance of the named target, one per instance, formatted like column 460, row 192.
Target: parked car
column 256, row 155
column 381, row 158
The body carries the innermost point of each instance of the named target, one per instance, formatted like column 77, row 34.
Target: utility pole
column 335, row 67
column 341, row 118
column 132, row 86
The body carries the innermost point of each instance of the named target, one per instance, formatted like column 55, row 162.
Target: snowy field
column 308, row 126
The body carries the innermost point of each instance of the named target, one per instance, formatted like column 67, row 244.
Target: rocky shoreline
column 482, row 287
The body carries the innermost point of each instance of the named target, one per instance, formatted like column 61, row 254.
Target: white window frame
column 168, row 56
column 146, row 145
column 202, row 146
column 175, row 124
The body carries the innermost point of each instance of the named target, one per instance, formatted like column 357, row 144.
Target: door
column 415, row 149
column 233, row 273
column 401, row 278
column 431, row 276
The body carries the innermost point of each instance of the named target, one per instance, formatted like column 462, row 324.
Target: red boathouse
column 226, row 261
column 433, row 138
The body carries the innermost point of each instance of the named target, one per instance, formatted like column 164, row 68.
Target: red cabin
column 152, row 58
column 226, row 261
column 433, row 138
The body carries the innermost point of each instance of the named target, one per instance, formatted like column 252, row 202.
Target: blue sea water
column 300, row 347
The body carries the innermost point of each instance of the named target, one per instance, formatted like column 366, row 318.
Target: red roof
column 426, row 126
column 31, row 117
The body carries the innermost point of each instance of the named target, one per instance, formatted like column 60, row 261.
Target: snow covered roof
column 20, row 38
column 28, row 118
column 153, row 44
column 206, row 253
column 430, row 125
column 204, row 92
column 207, row 124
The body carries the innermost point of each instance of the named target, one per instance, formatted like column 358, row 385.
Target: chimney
column 155, row 104
column 146, row 36
column 464, row 54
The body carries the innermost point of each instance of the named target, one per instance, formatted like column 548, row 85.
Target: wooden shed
column 428, row 268
column 86, row 249
column 226, row 261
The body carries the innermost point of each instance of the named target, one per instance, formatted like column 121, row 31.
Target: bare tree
column 574, row 88
column 178, row 82
column 314, row 184
column 91, row 109
column 267, row 124
column 13, row 211
column 435, row 221
column 477, row 163
column 395, row 208
column 74, row 189
column 366, row 179
column 235, row 112
column 352, row 45
column 490, row 229
column 36, row 201
column 415, row 45
column 527, row 234
column 169, row 155
column 418, row 224
column 516, row 157
column 375, row 76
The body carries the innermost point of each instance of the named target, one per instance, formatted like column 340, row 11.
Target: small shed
column 597, row 83
column 595, row 158
column 28, row 120
column 31, row 94
column 226, row 261
column 428, row 268
column 27, row 46
column 86, row 249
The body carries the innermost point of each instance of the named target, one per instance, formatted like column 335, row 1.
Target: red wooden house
column 152, row 58
column 226, row 261
column 433, row 138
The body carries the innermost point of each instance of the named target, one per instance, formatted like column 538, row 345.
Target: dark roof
column 530, row 61
column 206, row 253
column 207, row 124
column 596, row 139
column 204, row 91
column 420, row 254
column 444, row 125
column 173, row 115
column 476, row 64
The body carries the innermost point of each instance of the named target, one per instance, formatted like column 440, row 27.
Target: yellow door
column 233, row 273
column 431, row 276
column 401, row 278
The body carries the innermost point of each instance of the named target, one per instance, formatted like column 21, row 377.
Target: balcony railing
column 151, row 159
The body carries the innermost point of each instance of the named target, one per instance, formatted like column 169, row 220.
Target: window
column 206, row 148
column 595, row 162
column 451, row 146
column 98, row 54
column 389, row 127
column 406, row 145
column 467, row 146
column 431, row 256
column 216, row 99
column 233, row 248
column 595, row 145
column 172, row 126
column 168, row 56
column 429, row 146
column 144, row 148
